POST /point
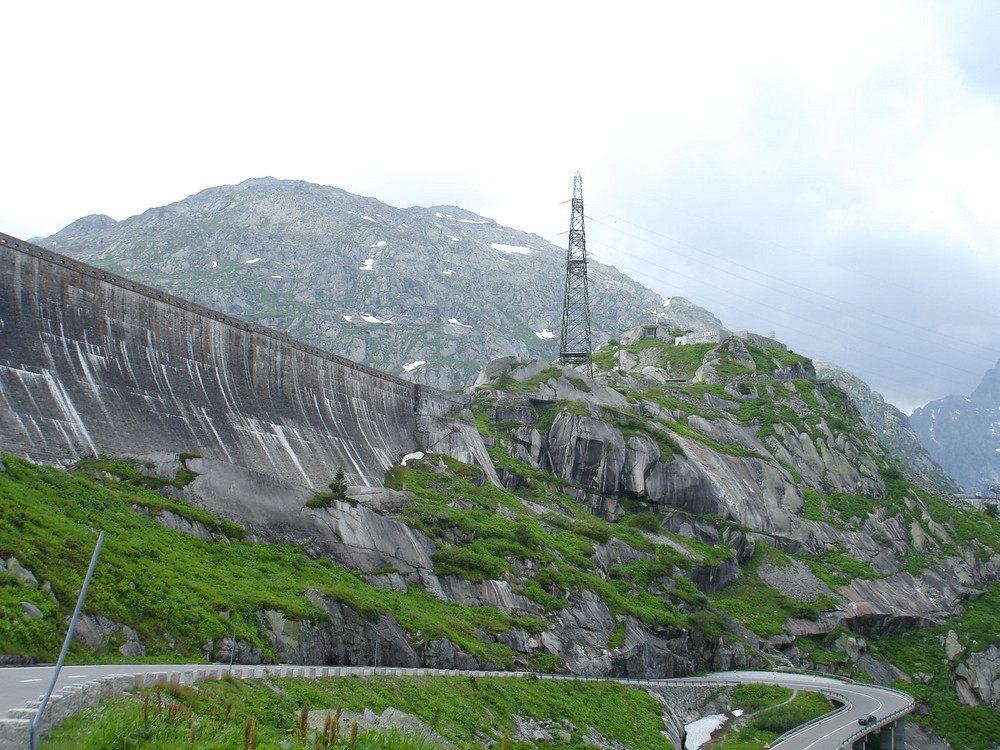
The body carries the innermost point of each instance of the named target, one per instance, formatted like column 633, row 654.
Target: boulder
column 531, row 447
column 446, row 654
column 380, row 499
column 641, row 454
column 981, row 672
column 24, row 576
column 132, row 648
column 171, row 520
column 458, row 439
column 346, row 638
column 97, row 632
column 404, row 723
column 587, row 452
column 952, row 648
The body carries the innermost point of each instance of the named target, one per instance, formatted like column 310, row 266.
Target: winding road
column 19, row 685
column 836, row 729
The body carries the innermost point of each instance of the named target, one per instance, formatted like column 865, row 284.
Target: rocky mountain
column 697, row 504
column 430, row 294
column 697, row 507
column 962, row 433
column 890, row 424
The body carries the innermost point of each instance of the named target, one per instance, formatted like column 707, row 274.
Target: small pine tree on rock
column 339, row 484
column 504, row 380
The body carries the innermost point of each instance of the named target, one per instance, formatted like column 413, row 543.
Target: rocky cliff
column 759, row 485
column 888, row 423
column 962, row 433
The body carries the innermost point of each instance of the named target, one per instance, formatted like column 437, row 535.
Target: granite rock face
column 101, row 634
column 346, row 638
column 904, row 438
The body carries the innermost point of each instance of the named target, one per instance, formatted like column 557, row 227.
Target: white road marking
column 843, row 726
column 33, row 679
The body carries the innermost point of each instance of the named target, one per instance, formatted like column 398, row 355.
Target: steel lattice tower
column 575, row 344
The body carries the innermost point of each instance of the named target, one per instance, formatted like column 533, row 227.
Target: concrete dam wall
column 92, row 363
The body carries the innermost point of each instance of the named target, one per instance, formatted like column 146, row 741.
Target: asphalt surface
column 18, row 685
column 834, row 730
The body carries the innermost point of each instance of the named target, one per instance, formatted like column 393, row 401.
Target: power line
column 852, row 311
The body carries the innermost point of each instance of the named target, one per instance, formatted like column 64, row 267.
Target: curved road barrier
column 82, row 686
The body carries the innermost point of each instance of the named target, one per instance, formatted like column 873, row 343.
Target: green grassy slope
column 177, row 591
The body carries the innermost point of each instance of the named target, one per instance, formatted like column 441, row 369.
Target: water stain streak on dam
column 93, row 363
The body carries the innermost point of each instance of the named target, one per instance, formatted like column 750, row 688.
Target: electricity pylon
column 575, row 344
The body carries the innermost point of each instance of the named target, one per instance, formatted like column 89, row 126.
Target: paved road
column 833, row 731
column 18, row 685
column 21, row 684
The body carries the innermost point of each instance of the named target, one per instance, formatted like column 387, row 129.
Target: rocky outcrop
column 890, row 425
column 358, row 532
column 579, row 635
column 587, row 452
column 391, row 721
column 458, row 439
column 171, row 520
column 499, row 595
column 443, row 653
column 101, row 634
column 359, row 538
column 978, row 678
column 345, row 638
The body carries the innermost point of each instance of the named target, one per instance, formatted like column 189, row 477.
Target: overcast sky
column 827, row 171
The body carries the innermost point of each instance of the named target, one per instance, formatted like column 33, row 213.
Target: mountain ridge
column 962, row 433
column 692, row 505
column 389, row 287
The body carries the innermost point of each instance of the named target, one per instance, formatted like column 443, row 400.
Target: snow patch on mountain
column 440, row 215
column 512, row 249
